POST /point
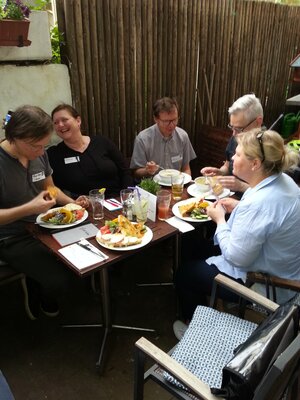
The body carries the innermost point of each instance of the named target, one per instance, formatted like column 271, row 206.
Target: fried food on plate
column 194, row 209
column 64, row 215
column 120, row 232
column 53, row 191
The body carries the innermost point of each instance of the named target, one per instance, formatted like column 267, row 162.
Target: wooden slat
column 124, row 54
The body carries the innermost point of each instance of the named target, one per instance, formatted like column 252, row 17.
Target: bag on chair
column 252, row 359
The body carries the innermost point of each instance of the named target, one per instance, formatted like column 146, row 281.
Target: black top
column 230, row 151
column 101, row 165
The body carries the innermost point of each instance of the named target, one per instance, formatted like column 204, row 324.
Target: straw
column 137, row 189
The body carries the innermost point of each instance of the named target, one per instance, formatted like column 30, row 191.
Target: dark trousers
column 194, row 278
column 26, row 254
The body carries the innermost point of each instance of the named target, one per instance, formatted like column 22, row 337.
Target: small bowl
column 201, row 185
column 166, row 175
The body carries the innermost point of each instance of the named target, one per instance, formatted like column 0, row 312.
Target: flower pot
column 14, row 32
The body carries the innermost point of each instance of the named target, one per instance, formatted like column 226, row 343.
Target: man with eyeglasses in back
column 162, row 145
column 246, row 113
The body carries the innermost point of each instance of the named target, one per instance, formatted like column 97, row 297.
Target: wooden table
column 161, row 231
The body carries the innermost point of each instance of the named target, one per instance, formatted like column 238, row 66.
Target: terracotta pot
column 14, row 32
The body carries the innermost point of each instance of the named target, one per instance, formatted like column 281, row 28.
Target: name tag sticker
column 39, row 176
column 176, row 158
column 71, row 160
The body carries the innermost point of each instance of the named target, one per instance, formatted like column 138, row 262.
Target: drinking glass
column 177, row 183
column 96, row 199
column 141, row 207
column 163, row 204
column 126, row 197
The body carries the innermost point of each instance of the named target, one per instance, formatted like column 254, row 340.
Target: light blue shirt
column 262, row 233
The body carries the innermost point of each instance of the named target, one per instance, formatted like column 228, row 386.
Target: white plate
column 195, row 192
column 53, row 226
column 176, row 212
column 145, row 240
column 187, row 179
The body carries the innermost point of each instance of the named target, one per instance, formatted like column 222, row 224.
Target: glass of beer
column 177, row 182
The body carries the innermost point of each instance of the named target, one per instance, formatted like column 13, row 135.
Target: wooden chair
column 8, row 275
column 280, row 376
column 272, row 282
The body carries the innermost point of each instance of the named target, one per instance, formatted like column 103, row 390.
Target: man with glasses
column 246, row 113
column 162, row 145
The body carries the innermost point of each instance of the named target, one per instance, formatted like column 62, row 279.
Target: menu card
column 73, row 235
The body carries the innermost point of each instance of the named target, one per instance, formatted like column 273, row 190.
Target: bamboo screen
column 124, row 54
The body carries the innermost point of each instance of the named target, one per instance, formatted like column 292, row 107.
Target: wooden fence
column 124, row 54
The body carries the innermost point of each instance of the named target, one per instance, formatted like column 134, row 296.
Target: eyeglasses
column 259, row 137
column 168, row 122
column 240, row 130
column 34, row 147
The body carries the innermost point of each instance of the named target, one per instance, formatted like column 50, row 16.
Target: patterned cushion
column 208, row 344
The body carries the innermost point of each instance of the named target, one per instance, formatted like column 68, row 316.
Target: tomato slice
column 79, row 214
column 104, row 230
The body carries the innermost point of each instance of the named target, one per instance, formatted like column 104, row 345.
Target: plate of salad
column 192, row 210
column 120, row 234
column 62, row 217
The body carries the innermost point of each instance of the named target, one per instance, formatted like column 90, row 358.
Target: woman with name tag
column 81, row 163
column 25, row 175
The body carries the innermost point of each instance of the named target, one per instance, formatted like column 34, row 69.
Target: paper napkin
column 112, row 204
column 179, row 224
column 80, row 257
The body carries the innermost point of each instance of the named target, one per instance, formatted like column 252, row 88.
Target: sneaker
column 49, row 307
column 179, row 329
column 31, row 298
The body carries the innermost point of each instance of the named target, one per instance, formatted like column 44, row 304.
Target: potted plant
column 14, row 23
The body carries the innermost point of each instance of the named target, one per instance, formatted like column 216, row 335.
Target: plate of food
column 62, row 217
column 191, row 210
column 121, row 235
column 164, row 177
column 194, row 191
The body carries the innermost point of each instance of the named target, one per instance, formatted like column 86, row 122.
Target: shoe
column 179, row 329
column 31, row 298
column 49, row 307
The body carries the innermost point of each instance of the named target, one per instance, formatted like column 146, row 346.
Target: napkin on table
column 79, row 257
column 179, row 224
column 112, row 204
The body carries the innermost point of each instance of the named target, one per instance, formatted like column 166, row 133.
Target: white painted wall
column 41, row 85
column 40, row 47
column 44, row 85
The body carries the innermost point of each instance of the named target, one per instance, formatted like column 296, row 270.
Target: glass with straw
column 141, row 206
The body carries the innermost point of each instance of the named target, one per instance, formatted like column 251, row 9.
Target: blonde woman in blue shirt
column 262, row 232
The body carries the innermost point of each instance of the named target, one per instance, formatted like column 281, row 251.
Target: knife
column 87, row 246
